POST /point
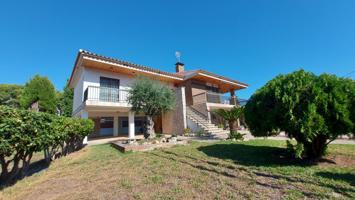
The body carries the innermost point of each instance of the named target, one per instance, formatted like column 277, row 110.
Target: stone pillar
column 131, row 127
column 84, row 115
column 233, row 100
column 115, row 125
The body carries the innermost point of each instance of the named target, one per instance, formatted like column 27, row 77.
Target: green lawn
column 223, row 170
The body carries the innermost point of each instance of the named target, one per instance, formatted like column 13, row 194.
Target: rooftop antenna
column 178, row 56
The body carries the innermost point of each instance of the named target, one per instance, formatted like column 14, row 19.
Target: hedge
column 23, row 133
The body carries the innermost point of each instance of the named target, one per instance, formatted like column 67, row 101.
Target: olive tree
column 314, row 110
column 151, row 98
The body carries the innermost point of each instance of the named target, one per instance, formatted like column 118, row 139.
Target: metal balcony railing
column 217, row 98
column 106, row 94
column 210, row 97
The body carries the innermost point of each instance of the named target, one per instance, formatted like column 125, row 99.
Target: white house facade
column 101, row 86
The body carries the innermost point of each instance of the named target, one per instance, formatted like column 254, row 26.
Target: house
column 101, row 86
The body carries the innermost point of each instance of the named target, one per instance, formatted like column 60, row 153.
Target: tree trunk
column 316, row 148
column 150, row 133
column 232, row 126
column 25, row 164
column 47, row 155
column 6, row 175
column 4, row 169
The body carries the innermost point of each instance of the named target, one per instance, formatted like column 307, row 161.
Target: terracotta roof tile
column 182, row 75
column 137, row 66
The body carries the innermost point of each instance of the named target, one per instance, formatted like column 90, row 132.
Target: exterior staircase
column 203, row 123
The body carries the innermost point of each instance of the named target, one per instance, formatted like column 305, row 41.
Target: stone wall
column 174, row 122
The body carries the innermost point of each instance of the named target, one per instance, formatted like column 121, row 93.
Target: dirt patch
column 337, row 160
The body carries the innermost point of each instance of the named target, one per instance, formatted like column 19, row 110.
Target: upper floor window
column 212, row 87
column 109, row 82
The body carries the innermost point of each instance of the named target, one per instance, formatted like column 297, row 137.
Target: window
column 109, row 89
column 212, row 88
column 109, row 82
column 106, row 122
column 106, row 126
column 124, row 123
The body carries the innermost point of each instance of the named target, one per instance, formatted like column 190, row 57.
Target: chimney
column 179, row 67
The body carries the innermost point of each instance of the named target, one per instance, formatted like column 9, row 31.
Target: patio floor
column 106, row 140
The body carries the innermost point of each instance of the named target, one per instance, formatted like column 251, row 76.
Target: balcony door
column 109, row 89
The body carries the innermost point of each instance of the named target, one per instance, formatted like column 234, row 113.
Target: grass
column 223, row 170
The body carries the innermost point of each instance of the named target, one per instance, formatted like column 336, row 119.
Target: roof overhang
column 93, row 61
column 224, row 84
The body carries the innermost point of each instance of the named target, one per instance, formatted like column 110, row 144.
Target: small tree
column 231, row 116
column 65, row 101
column 151, row 98
column 314, row 110
column 42, row 90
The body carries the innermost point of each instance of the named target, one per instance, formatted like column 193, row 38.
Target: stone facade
column 174, row 122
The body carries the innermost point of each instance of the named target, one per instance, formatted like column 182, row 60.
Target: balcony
column 218, row 98
column 104, row 96
column 210, row 97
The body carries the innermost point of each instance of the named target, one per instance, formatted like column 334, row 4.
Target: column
column 233, row 100
column 131, row 128
column 84, row 115
column 183, row 99
column 115, row 125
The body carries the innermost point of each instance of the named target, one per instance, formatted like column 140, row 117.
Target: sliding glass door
column 109, row 89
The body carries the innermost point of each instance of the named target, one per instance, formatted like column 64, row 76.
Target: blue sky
column 250, row 41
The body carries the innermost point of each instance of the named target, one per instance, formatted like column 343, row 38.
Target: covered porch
column 116, row 124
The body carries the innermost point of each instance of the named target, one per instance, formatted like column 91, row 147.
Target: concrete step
column 210, row 126
column 205, row 125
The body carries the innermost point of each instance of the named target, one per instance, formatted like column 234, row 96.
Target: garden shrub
column 187, row 131
column 313, row 109
column 236, row 135
column 23, row 133
column 201, row 133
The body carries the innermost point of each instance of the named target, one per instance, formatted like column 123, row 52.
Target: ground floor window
column 106, row 126
column 138, row 123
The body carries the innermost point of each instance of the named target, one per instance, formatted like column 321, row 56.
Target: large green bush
column 23, row 133
column 312, row 109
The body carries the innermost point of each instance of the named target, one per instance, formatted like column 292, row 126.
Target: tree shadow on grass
column 33, row 168
column 338, row 176
column 267, row 156
column 250, row 155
